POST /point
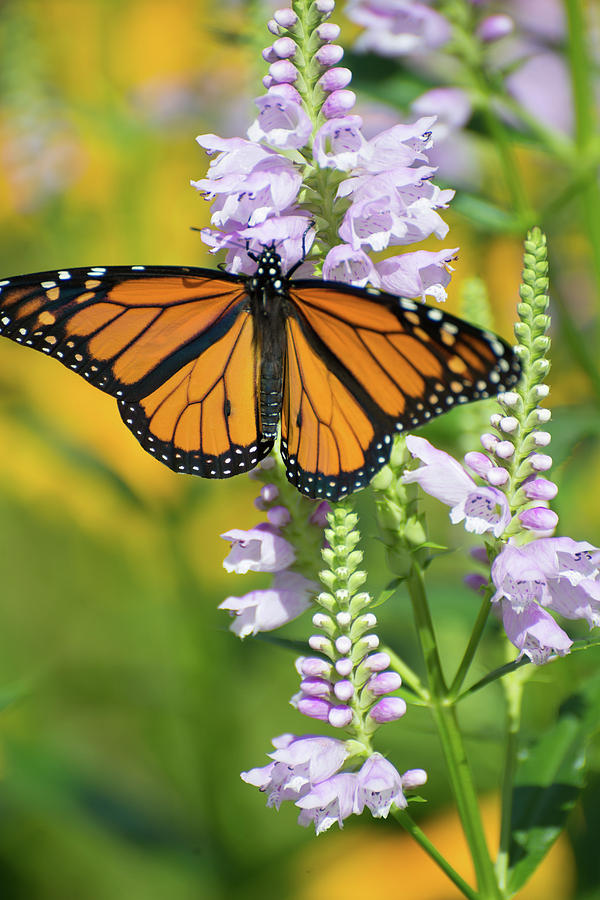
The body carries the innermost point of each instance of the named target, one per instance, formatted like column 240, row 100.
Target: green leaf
column 548, row 780
column 488, row 215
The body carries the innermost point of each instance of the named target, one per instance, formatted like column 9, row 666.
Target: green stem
column 510, row 169
column 413, row 829
column 571, row 333
column 450, row 736
column 472, row 646
column 513, row 691
column 585, row 120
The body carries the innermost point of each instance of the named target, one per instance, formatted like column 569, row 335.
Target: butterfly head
column 268, row 279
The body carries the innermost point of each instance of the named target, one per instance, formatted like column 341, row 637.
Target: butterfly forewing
column 175, row 346
column 362, row 366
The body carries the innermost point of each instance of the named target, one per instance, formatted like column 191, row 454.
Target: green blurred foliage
column 127, row 709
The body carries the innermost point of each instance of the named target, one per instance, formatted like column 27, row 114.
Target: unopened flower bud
column 504, row 450
column 508, row 424
column 497, row 476
column 283, row 71
column 340, row 716
column 388, row 710
column 539, row 489
column 328, row 32
column 330, row 55
column 384, row 683
column 284, row 47
column 344, row 666
column 325, row 7
column 338, row 104
column 285, row 17
column 335, row 78
column 540, row 462
column 539, row 519
column 343, row 690
column 343, row 645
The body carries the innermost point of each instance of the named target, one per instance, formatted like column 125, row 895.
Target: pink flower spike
column 379, row 787
column 538, row 519
column 340, row 716
column 338, row 104
column 330, row 55
column 284, row 48
column 388, row 710
column 283, row 71
column 342, row 263
column 539, row 488
column 260, row 549
column 335, row 78
column 279, row 516
column 285, row 17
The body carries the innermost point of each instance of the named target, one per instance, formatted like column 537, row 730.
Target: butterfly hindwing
column 362, row 366
column 175, row 346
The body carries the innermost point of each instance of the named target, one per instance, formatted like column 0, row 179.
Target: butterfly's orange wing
column 175, row 346
column 361, row 366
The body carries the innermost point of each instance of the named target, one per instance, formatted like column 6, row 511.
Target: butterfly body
column 207, row 365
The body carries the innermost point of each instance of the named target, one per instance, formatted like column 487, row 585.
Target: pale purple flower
column 260, row 549
column 418, row 274
column 379, row 787
column 329, row 801
column 449, row 108
column 298, row 763
column 338, row 143
column 558, row 573
column 281, row 122
column 538, row 518
column 534, row 632
column 396, row 27
column 398, row 146
column 342, row 263
column 265, row 609
column 248, row 195
column 481, row 508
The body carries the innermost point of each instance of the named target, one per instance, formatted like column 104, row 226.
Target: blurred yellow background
column 127, row 710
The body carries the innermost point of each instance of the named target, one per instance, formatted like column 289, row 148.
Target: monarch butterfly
column 205, row 364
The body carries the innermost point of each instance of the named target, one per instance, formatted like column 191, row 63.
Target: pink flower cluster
column 309, row 772
column 330, row 690
column 386, row 197
column 265, row 549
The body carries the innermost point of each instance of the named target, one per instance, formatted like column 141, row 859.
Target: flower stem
column 445, row 718
column 513, row 692
column 472, row 646
column 585, row 121
column 413, row 829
